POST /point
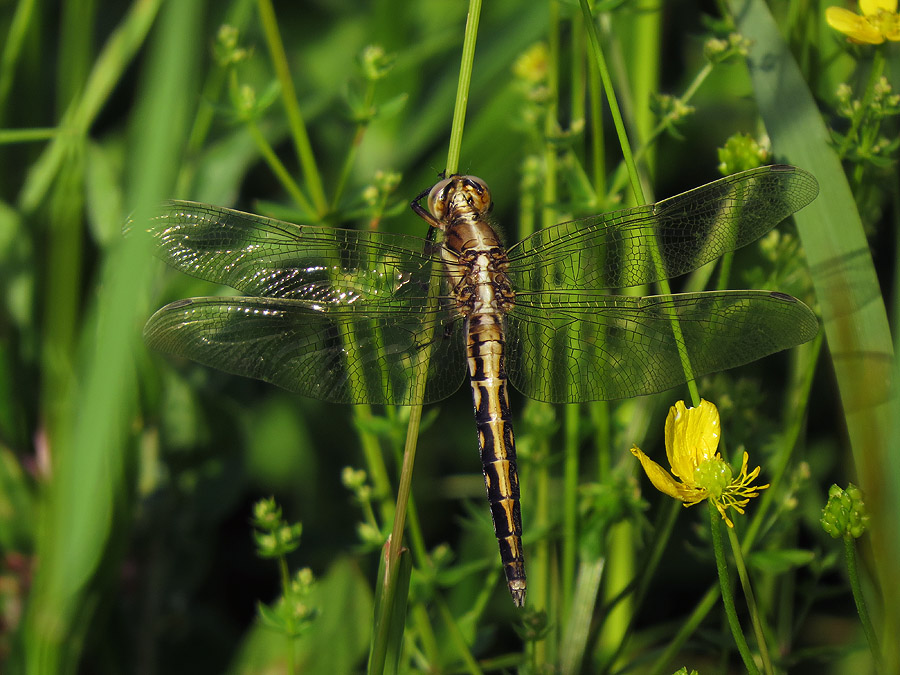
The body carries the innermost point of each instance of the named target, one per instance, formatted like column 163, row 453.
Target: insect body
column 476, row 267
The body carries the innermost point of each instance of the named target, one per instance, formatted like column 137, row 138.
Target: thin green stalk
column 292, row 107
column 874, row 75
column 539, row 578
column 395, row 544
column 724, row 271
column 860, row 600
column 238, row 15
column 618, row 181
column 462, row 88
column 598, row 137
column 381, row 482
column 380, row 644
column 248, row 116
column 285, row 575
column 457, row 639
column 12, row 48
column 280, row 171
column 416, row 538
column 577, row 73
column 570, row 505
column 797, row 405
column 9, row 136
column 353, row 150
column 75, row 48
column 613, row 102
column 755, row 618
column 422, row 624
column 636, row 187
column 578, row 619
column 715, row 523
column 599, row 411
column 638, row 588
column 688, row 627
column 540, row 571
column 114, row 58
column 644, row 48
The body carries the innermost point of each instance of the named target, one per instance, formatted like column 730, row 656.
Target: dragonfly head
column 459, row 193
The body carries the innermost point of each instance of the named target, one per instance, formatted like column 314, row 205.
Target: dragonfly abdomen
column 496, row 443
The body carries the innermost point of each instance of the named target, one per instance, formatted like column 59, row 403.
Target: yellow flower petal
column 869, row 7
column 890, row 27
column 854, row 26
column 664, row 482
column 692, row 436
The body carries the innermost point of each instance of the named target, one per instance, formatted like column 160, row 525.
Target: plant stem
column 570, row 506
column 457, row 638
column 638, row 191
column 280, row 171
column 860, row 600
column 751, row 601
column 291, row 106
column 353, row 150
column 613, row 102
column 383, row 622
column 285, row 574
column 462, row 88
column 619, row 177
column 874, row 76
column 8, row 136
column 686, row 629
column 715, row 523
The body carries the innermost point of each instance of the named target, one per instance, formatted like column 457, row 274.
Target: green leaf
column 847, row 288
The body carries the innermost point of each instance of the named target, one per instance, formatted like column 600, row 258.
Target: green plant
column 125, row 478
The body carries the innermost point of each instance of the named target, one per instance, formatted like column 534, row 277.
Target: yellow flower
column 879, row 21
column 692, row 441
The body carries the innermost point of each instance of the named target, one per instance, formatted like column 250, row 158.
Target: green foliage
column 125, row 477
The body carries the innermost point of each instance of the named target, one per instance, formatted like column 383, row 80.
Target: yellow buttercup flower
column 698, row 470
column 878, row 22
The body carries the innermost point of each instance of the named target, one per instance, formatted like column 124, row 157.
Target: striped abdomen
column 485, row 345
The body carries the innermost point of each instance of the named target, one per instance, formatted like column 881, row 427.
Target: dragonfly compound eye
column 477, row 193
column 438, row 198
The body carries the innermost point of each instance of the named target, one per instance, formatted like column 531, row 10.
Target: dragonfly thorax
column 484, row 288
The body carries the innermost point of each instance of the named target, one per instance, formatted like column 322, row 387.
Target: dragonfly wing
column 570, row 347
column 273, row 258
column 337, row 353
column 645, row 244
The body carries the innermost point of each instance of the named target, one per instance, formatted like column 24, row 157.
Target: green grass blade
column 853, row 310
column 88, row 454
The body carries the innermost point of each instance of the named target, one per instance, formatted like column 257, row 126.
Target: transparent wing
column 619, row 249
column 337, row 353
column 272, row 258
column 570, row 347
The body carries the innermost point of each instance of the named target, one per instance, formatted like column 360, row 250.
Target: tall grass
column 126, row 479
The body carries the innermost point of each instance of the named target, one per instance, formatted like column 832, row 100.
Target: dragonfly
column 353, row 316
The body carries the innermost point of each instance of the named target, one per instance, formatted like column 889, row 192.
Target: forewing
column 272, row 258
column 645, row 244
column 337, row 353
column 566, row 347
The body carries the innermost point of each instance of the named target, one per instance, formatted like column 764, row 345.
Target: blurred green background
column 127, row 479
